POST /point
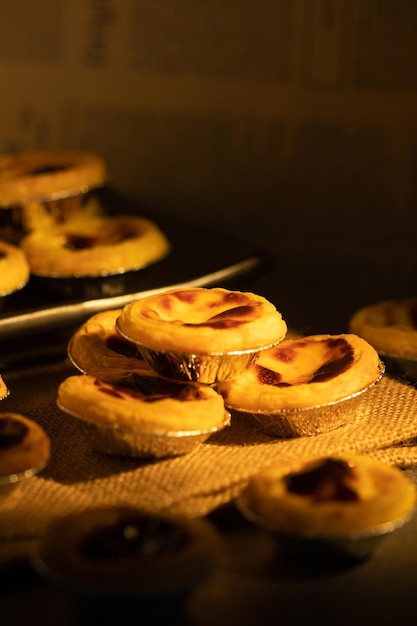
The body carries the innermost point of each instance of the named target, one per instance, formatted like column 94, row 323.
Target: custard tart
column 94, row 256
column 307, row 385
column 14, row 269
column 201, row 334
column 45, row 187
column 142, row 414
column 24, row 449
column 96, row 346
column 343, row 504
column 120, row 560
column 391, row 327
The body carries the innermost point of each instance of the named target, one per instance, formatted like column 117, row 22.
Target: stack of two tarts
column 149, row 370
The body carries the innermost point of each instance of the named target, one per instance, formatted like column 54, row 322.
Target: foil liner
column 88, row 287
column 19, row 219
column 310, row 421
column 9, row 482
column 120, row 440
column 207, row 368
column 354, row 546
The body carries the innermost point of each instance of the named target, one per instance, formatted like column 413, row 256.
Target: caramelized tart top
column 201, row 320
column 306, row 372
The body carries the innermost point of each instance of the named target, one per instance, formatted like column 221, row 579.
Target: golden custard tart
column 142, row 415
column 97, row 346
column 121, row 561
column 14, row 269
column 340, row 505
column 94, row 256
column 201, row 334
column 391, row 327
column 24, row 449
column 305, row 386
column 44, row 187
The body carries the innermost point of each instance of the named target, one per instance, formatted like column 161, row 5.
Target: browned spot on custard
column 116, row 343
column 150, row 388
column 338, row 358
column 12, row 431
column 188, row 297
column 47, row 169
column 287, row 355
column 326, row 482
column 3, row 254
column 78, row 242
column 136, row 537
column 231, row 299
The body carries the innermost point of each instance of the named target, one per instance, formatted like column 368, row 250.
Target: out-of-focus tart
column 14, row 269
column 96, row 346
column 343, row 503
column 4, row 390
column 305, row 386
column 391, row 327
column 120, row 558
column 94, row 255
column 201, row 334
column 24, row 449
column 44, row 187
column 142, row 414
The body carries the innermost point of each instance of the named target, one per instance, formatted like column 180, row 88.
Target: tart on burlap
column 305, row 386
column 201, row 334
column 341, row 505
column 120, row 559
column 97, row 346
column 24, row 449
column 94, row 256
column 391, row 327
column 43, row 187
column 14, row 269
column 142, row 414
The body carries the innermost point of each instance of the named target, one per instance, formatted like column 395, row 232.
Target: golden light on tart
column 96, row 346
column 390, row 326
column 48, row 174
column 95, row 246
column 24, row 447
column 202, row 320
column 14, row 268
column 334, row 496
column 305, row 372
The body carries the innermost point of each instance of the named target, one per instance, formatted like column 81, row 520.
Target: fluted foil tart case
column 309, row 421
column 204, row 368
column 115, row 439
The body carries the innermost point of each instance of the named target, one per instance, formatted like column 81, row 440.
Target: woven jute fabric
column 195, row 484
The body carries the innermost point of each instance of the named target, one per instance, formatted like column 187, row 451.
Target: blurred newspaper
column 238, row 112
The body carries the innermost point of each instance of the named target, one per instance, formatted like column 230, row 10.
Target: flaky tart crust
column 300, row 373
column 96, row 346
column 202, row 320
column 367, row 493
column 390, row 326
column 30, row 453
column 14, row 268
column 95, row 246
column 48, row 174
column 170, row 407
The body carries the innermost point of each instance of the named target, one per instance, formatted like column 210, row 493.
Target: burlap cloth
column 192, row 485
